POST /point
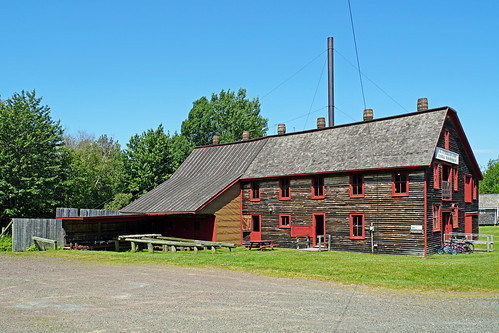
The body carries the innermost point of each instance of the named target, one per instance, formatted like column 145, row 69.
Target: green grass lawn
column 477, row 273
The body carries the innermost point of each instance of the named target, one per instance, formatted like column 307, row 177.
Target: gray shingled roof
column 387, row 143
column 489, row 201
column 205, row 173
column 396, row 142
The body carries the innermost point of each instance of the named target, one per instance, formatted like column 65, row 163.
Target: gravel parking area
column 49, row 294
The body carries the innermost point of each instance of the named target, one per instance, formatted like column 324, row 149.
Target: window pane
column 318, row 186
column 285, row 188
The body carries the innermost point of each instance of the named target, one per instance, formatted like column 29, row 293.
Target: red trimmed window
column 357, row 226
column 284, row 193
column 357, row 186
column 318, row 187
column 474, row 189
column 447, row 140
column 455, row 217
column 436, row 217
column 284, row 221
column 467, row 188
column 447, row 182
column 400, row 184
column 436, row 176
column 456, row 188
column 255, row 191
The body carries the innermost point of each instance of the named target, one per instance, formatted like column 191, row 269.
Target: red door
column 256, row 228
column 447, row 221
column 319, row 225
column 468, row 225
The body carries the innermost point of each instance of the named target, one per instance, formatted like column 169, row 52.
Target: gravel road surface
column 55, row 295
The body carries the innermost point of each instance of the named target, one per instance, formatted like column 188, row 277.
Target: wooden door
column 468, row 225
column 256, row 228
column 447, row 223
column 319, row 225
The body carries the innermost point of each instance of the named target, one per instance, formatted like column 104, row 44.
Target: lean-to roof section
column 395, row 142
column 204, row 174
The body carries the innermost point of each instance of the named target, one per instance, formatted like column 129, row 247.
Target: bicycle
column 447, row 249
column 463, row 246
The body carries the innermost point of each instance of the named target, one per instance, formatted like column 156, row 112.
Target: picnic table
column 260, row 244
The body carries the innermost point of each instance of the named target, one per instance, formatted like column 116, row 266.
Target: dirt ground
column 54, row 295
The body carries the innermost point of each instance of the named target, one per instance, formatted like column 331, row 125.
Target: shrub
column 6, row 244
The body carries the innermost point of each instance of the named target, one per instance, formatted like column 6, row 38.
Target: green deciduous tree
column 226, row 115
column 490, row 182
column 151, row 158
column 94, row 170
column 30, row 158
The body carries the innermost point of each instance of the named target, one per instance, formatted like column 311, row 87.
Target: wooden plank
column 203, row 242
column 121, row 237
column 4, row 232
column 38, row 241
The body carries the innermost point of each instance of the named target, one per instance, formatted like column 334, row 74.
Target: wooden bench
column 39, row 242
column 171, row 243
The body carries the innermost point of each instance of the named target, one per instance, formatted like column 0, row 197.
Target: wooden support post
column 134, row 247
column 173, row 249
column 213, row 250
column 165, row 248
column 150, row 247
column 195, row 250
column 117, row 245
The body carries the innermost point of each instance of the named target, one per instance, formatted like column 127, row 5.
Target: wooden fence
column 24, row 229
column 75, row 212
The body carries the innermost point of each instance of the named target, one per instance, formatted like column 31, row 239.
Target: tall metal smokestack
column 330, row 81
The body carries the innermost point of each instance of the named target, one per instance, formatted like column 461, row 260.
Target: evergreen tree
column 30, row 158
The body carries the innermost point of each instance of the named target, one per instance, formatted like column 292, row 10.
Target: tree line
column 42, row 167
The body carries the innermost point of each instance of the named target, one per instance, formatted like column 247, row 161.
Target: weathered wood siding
column 391, row 216
column 24, row 229
column 435, row 195
column 228, row 222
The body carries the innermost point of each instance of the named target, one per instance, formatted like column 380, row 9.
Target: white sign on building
column 447, row 156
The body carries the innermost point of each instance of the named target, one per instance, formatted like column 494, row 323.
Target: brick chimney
column 422, row 104
column 281, row 129
column 321, row 122
column 216, row 140
column 368, row 114
column 246, row 135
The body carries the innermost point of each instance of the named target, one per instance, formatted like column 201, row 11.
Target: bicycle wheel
column 466, row 249
column 453, row 252
column 472, row 247
column 440, row 251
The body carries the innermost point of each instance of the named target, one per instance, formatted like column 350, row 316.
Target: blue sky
column 122, row 67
